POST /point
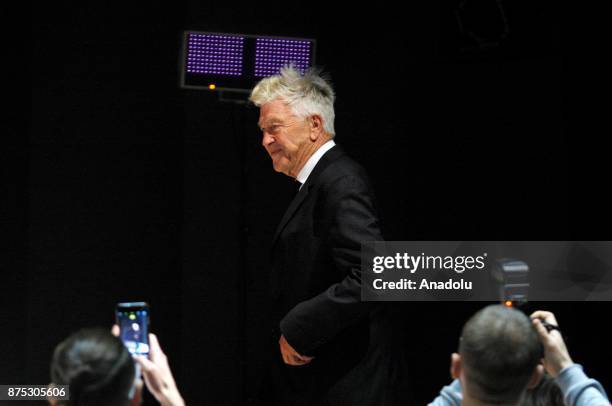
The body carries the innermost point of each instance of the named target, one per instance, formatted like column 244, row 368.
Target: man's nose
column 266, row 139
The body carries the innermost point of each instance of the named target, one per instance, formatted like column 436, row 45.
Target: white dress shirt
column 312, row 162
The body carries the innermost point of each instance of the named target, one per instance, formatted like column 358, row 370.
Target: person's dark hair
column 499, row 350
column 547, row 393
column 96, row 365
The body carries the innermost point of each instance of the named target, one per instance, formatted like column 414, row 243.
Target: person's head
column 296, row 116
column 97, row 367
column 498, row 358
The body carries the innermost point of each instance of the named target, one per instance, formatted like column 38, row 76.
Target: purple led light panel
column 215, row 54
column 272, row 54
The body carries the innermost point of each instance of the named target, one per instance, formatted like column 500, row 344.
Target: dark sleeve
column 352, row 220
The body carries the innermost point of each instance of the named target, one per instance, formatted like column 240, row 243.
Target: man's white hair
column 305, row 95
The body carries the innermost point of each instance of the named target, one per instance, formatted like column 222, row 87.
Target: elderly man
column 320, row 324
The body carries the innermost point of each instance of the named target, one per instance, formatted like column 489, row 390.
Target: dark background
column 129, row 188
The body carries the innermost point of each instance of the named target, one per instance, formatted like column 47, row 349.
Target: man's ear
column 455, row 368
column 536, row 376
column 316, row 126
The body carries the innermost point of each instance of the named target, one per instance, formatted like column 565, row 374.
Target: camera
column 512, row 279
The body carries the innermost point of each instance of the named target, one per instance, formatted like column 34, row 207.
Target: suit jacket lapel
column 297, row 201
column 295, row 204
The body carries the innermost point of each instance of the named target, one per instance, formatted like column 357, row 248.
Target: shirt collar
column 312, row 161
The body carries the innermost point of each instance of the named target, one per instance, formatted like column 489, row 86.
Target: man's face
column 285, row 136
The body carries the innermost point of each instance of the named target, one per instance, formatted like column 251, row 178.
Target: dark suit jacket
column 316, row 279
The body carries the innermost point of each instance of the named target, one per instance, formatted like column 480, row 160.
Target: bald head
column 499, row 351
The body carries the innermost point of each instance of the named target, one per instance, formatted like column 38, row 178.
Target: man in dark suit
column 320, row 322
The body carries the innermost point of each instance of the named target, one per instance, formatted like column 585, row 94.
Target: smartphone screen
column 133, row 321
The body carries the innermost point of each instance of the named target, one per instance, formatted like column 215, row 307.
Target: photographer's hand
column 158, row 377
column 556, row 356
column 156, row 373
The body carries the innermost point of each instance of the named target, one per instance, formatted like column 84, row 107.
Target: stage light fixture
column 236, row 62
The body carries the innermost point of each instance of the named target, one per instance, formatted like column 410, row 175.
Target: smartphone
column 133, row 321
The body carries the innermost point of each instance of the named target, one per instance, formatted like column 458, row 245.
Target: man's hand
column 556, row 356
column 291, row 356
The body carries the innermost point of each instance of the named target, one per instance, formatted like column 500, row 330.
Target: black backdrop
column 129, row 188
